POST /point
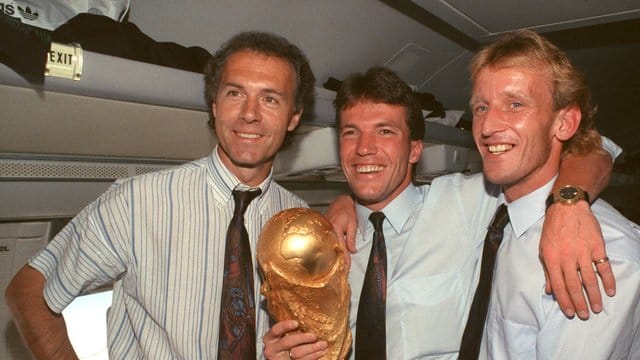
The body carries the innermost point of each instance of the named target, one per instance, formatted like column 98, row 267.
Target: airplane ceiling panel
column 339, row 37
column 480, row 19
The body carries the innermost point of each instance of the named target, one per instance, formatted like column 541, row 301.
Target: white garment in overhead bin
column 49, row 14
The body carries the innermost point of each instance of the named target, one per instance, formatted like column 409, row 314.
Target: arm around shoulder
column 571, row 237
column 43, row 331
column 590, row 172
column 342, row 215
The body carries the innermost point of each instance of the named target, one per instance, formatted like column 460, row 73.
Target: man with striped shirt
column 159, row 238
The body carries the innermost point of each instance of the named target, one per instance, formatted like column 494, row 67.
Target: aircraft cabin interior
column 104, row 110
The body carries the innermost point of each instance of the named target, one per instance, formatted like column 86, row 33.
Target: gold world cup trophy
column 305, row 276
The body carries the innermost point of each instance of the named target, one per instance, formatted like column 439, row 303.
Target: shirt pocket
column 511, row 340
column 432, row 308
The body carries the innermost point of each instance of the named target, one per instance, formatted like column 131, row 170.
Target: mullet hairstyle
column 525, row 48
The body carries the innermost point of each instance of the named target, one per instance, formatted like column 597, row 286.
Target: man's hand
column 281, row 343
column 342, row 215
column 571, row 241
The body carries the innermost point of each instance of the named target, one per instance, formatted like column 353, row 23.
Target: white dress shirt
column 525, row 323
column 434, row 236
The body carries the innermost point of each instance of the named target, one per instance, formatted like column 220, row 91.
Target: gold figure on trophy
column 305, row 276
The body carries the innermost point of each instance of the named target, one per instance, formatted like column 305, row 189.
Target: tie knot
column 243, row 198
column 377, row 217
column 500, row 219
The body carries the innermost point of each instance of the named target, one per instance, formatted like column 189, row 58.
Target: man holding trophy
column 305, row 276
column 414, row 274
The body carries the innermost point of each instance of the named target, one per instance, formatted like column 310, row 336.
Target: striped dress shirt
column 159, row 239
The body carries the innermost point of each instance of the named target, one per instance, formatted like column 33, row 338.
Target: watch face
column 568, row 193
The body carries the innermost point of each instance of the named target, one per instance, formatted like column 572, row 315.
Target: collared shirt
column 160, row 239
column 612, row 148
column 433, row 236
column 525, row 323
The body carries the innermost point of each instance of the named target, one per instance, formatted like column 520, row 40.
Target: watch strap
column 555, row 197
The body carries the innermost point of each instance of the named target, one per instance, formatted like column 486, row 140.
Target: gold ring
column 601, row 261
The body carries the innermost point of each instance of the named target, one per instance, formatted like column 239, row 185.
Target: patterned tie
column 370, row 326
column 472, row 337
column 237, row 333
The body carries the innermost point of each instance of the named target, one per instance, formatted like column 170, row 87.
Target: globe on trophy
column 305, row 276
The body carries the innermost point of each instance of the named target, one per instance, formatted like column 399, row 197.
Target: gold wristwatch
column 567, row 195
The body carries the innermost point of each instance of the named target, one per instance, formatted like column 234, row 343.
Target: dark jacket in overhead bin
column 23, row 48
column 124, row 39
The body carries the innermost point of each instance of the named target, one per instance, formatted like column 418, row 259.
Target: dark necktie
column 370, row 326
column 472, row 337
column 237, row 333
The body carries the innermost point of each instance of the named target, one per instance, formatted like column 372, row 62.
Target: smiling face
column 514, row 126
column 376, row 152
column 253, row 109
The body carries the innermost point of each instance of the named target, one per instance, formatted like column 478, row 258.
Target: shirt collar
column 224, row 181
column 396, row 212
column 527, row 210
